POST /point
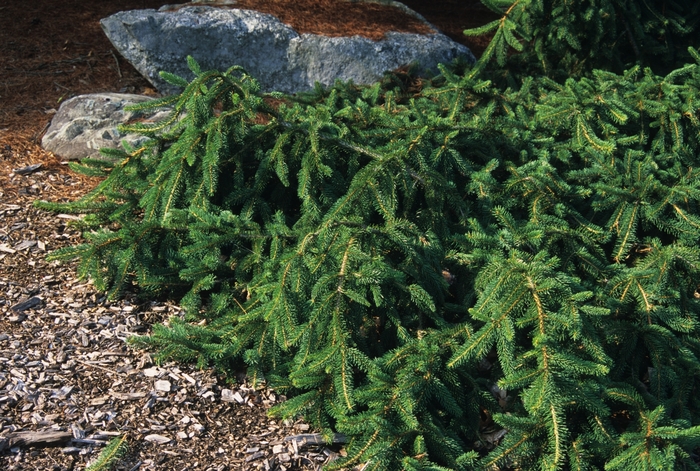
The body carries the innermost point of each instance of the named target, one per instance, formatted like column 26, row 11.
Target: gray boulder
column 85, row 124
column 272, row 52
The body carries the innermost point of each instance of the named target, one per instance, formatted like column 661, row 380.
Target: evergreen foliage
column 110, row 455
column 470, row 277
column 564, row 39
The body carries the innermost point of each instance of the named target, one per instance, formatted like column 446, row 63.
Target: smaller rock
column 86, row 123
column 155, row 438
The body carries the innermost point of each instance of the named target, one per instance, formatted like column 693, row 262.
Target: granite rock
column 86, row 123
column 269, row 50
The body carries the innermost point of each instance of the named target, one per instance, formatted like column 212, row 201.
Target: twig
column 40, row 133
column 316, row 439
column 59, row 85
column 97, row 366
column 116, row 61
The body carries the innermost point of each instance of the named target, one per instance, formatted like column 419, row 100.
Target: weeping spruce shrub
column 498, row 269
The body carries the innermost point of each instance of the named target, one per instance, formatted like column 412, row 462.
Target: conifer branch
column 110, row 455
column 503, row 247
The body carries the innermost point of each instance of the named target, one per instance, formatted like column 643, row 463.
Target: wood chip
column 6, row 249
column 24, row 245
column 24, row 439
column 127, row 396
column 163, row 385
column 227, row 395
column 65, row 368
column 27, row 170
column 155, row 438
column 152, row 372
column 30, row 303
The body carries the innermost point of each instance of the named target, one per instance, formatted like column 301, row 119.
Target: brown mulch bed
column 65, row 370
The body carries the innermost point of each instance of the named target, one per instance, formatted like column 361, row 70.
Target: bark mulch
column 68, row 382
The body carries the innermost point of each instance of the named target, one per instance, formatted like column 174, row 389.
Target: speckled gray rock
column 272, row 52
column 313, row 58
column 85, row 124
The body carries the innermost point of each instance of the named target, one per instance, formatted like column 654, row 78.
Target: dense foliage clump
column 561, row 39
column 467, row 276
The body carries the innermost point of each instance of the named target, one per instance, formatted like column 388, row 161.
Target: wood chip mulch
column 68, row 381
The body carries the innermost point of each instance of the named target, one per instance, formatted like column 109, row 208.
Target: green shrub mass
column 497, row 268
